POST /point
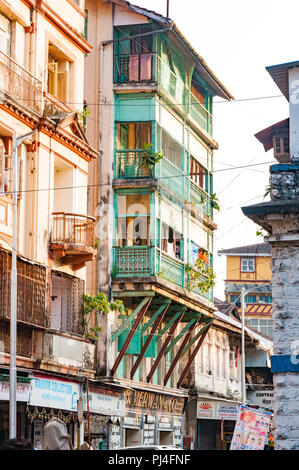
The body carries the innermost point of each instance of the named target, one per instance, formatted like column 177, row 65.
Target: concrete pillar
column 280, row 217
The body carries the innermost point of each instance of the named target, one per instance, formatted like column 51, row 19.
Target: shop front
column 103, row 416
column 52, row 396
column 152, row 418
column 22, row 397
column 215, row 423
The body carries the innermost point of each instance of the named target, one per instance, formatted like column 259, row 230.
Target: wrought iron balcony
column 146, row 261
column 135, row 68
column 20, row 84
column 131, row 164
column 72, row 238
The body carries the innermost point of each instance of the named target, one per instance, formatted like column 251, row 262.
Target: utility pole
column 243, row 347
column 14, row 292
column 167, row 9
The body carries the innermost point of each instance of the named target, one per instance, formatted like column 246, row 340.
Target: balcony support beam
column 129, row 319
column 179, row 353
column 161, row 313
column 174, row 322
column 133, row 330
column 178, row 337
column 203, row 333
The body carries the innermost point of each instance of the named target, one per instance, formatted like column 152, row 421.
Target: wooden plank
column 149, row 339
column 192, row 357
column 130, row 336
column 178, row 355
column 130, row 318
column 178, row 317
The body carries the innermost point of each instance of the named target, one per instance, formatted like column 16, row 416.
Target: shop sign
column 206, row 409
column 51, row 392
column 165, row 423
column 23, row 391
column 262, row 397
column 104, row 401
column 211, row 409
column 177, row 431
column 154, row 401
column 133, row 420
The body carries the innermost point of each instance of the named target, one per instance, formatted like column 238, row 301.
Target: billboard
column 251, row 430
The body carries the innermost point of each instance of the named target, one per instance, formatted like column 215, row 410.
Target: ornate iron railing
column 131, row 164
column 73, row 228
column 131, row 261
column 135, row 68
column 200, row 199
column 20, row 84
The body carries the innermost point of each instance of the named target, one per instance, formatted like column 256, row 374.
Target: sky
column 238, row 40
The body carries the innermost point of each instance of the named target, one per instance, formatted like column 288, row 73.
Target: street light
column 14, row 285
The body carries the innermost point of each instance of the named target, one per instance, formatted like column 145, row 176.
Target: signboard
column 262, row 397
column 165, row 423
column 104, row 401
column 149, row 429
column 132, row 420
column 212, row 409
column 177, row 431
column 23, row 391
column 114, row 437
column 154, row 401
column 251, row 429
column 51, row 392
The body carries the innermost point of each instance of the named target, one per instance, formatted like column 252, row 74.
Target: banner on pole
column 251, row 430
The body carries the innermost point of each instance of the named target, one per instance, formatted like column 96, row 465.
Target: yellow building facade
column 250, row 267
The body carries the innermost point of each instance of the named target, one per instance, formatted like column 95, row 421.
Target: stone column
column 280, row 217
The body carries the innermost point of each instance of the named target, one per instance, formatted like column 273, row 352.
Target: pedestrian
column 56, row 436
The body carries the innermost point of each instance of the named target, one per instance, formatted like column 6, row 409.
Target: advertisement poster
column 251, row 429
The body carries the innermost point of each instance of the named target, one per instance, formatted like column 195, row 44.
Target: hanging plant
column 151, row 158
column 215, row 202
column 99, row 304
column 200, row 274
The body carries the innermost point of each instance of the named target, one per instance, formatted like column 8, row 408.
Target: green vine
column 99, row 304
column 200, row 274
column 151, row 158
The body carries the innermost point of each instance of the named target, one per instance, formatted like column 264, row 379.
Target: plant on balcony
column 151, row 158
column 200, row 274
column 215, row 202
column 99, row 304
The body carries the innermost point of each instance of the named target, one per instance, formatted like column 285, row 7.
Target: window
column 248, row 265
column 59, row 68
column 281, row 144
column 198, row 173
column 172, row 150
column 133, row 135
column 6, row 174
column 265, row 299
column 133, row 220
column 67, row 303
column 250, row 299
column 5, row 35
column 172, row 241
column 235, row 298
column 263, row 325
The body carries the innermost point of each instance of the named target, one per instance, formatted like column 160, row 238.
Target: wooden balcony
column 72, row 239
column 135, row 68
column 19, row 84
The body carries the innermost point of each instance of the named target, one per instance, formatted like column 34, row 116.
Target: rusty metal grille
column 24, row 339
column 32, row 291
column 67, row 303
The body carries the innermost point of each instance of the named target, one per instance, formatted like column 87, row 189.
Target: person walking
column 56, row 436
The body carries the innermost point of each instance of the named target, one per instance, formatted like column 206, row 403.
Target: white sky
column 238, row 40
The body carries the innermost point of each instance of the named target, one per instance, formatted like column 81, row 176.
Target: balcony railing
column 200, row 114
column 200, row 199
column 20, row 84
column 171, row 176
column 135, row 68
column 52, row 105
column 141, row 261
column 131, row 164
column 131, row 261
column 74, row 229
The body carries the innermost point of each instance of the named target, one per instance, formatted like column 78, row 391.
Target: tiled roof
column 257, row 249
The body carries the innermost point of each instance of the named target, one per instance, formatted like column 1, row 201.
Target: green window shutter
column 121, row 369
column 135, row 344
column 152, row 349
